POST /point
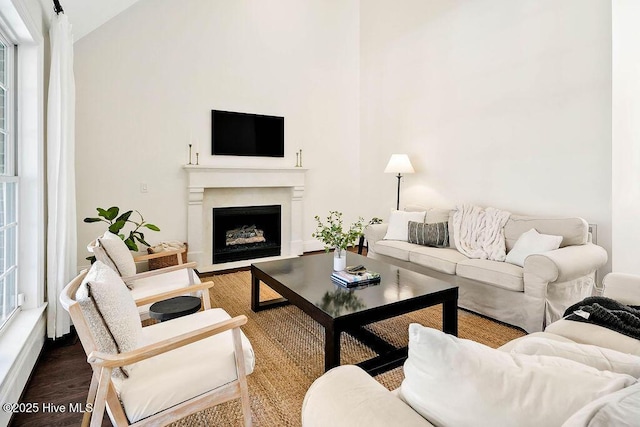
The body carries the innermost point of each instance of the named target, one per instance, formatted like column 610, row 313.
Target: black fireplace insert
column 246, row 232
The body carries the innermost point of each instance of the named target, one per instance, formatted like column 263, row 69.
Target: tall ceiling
column 87, row 15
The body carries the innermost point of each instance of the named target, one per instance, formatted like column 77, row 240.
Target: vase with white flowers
column 336, row 238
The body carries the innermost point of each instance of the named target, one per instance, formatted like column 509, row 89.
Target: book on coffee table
column 363, row 277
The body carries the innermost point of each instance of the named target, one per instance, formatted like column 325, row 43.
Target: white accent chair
column 113, row 252
column 166, row 371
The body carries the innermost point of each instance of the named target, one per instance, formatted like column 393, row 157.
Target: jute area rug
column 289, row 351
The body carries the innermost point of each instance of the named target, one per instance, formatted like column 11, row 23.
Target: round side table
column 174, row 307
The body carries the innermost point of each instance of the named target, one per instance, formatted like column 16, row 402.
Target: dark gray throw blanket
column 607, row 313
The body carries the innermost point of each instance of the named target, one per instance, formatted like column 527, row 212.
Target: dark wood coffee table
column 306, row 283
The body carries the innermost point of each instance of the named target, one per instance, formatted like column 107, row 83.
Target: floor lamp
column 399, row 163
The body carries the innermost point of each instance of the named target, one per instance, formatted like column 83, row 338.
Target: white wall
column 498, row 102
column 147, row 80
column 626, row 136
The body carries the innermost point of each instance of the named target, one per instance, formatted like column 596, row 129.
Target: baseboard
column 26, row 336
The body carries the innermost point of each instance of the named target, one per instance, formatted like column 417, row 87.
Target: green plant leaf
column 117, row 226
column 89, row 220
column 110, row 213
column 125, row 216
column 131, row 244
column 152, row 227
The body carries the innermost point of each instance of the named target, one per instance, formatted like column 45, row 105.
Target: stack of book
column 354, row 277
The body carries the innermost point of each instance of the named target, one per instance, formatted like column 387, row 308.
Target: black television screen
column 242, row 134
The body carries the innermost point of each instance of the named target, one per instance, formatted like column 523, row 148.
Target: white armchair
column 112, row 251
column 163, row 372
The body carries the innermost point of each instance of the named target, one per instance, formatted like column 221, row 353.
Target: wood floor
column 61, row 378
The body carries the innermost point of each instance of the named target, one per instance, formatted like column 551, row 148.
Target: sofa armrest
column 621, row 287
column 373, row 233
column 347, row 396
column 568, row 263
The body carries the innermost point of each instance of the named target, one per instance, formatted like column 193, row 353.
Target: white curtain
column 61, row 181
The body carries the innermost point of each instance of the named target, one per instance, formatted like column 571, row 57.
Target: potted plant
column 335, row 237
column 117, row 222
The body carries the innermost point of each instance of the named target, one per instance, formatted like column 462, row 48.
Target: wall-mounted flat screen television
column 243, row 134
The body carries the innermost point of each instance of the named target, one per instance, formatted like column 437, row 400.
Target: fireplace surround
column 212, row 187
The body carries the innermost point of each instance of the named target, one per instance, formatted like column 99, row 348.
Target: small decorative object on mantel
column 299, row 158
column 334, row 237
column 190, row 145
column 197, row 159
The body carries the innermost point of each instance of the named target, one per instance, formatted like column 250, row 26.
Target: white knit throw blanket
column 479, row 233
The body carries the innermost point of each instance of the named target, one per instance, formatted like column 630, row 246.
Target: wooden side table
column 174, row 307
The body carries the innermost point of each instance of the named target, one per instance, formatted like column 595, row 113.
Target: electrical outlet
column 143, row 187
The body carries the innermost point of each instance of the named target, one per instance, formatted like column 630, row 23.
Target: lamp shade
column 399, row 163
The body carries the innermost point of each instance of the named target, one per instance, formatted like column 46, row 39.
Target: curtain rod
column 57, row 8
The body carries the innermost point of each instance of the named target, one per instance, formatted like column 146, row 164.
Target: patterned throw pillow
column 436, row 235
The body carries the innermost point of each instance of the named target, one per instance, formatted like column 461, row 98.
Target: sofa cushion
column 457, row 382
column 435, row 215
column 597, row 357
column 399, row 224
column 199, row 367
column 621, row 408
column 497, row 273
column 439, row 259
column 574, row 231
column 394, row 249
column 587, row 333
column 435, row 234
column 529, row 243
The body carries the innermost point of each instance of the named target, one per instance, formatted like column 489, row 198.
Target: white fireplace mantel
column 203, row 178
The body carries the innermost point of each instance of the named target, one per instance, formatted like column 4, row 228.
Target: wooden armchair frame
column 102, row 393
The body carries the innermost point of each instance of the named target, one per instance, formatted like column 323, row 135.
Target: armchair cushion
column 587, row 333
column 112, row 251
column 153, row 285
column 199, row 367
column 452, row 381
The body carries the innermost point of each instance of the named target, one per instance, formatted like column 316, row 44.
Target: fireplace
column 246, row 232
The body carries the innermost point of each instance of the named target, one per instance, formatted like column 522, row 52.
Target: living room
column 521, row 105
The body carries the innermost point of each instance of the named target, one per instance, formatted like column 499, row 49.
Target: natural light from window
column 8, row 186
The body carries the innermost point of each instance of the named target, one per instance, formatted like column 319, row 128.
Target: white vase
column 339, row 259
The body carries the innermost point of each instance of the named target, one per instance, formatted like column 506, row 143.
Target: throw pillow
column 116, row 306
column 456, row 382
column 530, row 243
column 117, row 254
column 110, row 312
column 601, row 358
column 399, row 224
column 436, row 234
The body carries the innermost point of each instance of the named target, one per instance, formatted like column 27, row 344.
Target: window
column 8, row 186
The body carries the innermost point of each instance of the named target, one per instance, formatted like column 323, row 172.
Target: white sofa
column 529, row 297
column 347, row 396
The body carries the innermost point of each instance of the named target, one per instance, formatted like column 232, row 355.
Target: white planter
column 339, row 259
